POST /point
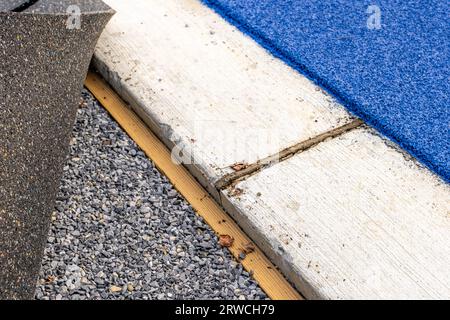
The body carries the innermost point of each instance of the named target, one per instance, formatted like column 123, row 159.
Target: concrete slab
column 352, row 218
column 204, row 87
column 370, row 218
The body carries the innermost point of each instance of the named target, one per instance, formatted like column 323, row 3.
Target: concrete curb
column 344, row 214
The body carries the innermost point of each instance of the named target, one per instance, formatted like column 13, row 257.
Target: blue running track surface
column 386, row 61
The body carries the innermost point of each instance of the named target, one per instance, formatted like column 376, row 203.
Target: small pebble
column 123, row 232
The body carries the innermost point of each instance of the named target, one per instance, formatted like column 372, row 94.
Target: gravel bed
column 121, row 231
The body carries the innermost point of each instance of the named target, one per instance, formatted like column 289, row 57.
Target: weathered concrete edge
column 279, row 258
column 243, row 207
column 165, row 135
column 274, row 252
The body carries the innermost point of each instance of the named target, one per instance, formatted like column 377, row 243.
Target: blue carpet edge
column 351, row 106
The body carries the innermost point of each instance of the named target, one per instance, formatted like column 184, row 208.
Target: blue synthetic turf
column 395, row 78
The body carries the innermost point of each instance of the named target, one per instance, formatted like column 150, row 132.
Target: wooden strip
column 267, row 275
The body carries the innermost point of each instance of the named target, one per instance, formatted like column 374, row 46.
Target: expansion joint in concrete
column 246, row 171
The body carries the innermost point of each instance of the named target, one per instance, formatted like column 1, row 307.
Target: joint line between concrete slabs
column 250, row 170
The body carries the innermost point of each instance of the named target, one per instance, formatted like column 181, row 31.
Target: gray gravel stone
column 121, row 231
